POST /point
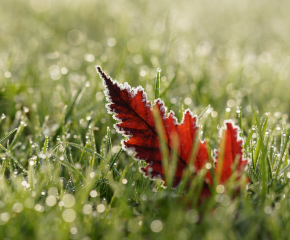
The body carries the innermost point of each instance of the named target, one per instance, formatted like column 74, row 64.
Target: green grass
column 63, row 175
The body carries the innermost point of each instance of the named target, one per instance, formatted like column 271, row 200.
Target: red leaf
column 136, row 121
column 232, row 151
column 132, row 109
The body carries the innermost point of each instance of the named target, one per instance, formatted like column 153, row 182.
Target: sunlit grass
column 63, row 175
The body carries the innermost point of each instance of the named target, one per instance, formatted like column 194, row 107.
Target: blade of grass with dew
column 114, row 195
column 121, row 63
column 284, row 170
column 56, row 147
column 72, row 168
column 16, row 136
column 108, row 141
column 91, row 151
column 93, row 145
column 174, row 159
column 8, row 134
column 181, row 110
column 69, row 110
column 76, row 98
column 203, row 112
column 220, row 160
column 171, row 82
column 17, row 163
column 261, row 138
column 162, row 142
column 239, row 112
column 248, row 139
column 115, row 158
column 157, row 83
column 264, row 160
column 45, row 145
column 280, row 188
column 282, row 152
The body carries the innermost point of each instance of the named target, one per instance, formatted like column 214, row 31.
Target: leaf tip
column 102, row 74
column 99, row 69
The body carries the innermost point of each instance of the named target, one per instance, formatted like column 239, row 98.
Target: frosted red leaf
column 133, row 111
column 232, row 151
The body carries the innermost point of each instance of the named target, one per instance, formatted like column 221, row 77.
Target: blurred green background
column 231, row 53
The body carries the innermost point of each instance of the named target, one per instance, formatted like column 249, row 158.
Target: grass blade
column 13, row 158
column 8, row 134
column 171, row 82
column 91, row 151
column 157, row 83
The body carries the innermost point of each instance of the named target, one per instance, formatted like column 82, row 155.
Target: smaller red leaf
column 231, row 151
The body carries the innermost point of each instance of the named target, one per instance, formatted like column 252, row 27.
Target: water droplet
column 5, row 216
column 17, row 207
column 50, row 201
column 26, row 109
column 112, row 42
column 24, row 183
column 156, row 226
column 191, row 216
column 69, row 215
column 101, row 208
column 220, row 188
column 73, row 230
column 39, row 208
column 93, row 193
column 208, row 165
column 87, row 209
column 69, row 200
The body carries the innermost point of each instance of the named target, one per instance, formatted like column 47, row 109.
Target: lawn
column 64, row 174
